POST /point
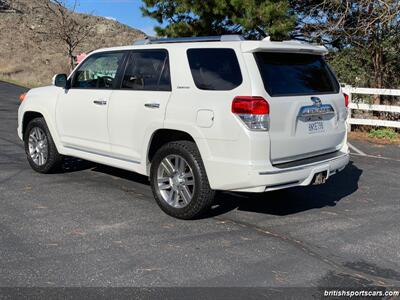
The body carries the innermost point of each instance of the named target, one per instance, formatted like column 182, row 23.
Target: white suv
column 195, row 115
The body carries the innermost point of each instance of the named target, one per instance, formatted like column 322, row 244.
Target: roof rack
column 217, row 38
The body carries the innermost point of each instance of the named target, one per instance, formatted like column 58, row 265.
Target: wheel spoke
column 31, row 150
column 38, row 134
column 32, row 138
column 172, row 197
column 185, row 194
column 168, row 167
column 177, row 163
column 175, row 199
column 183, row 166
column 180, row 164
column 164, row 186
column 189, row 182
column 163, row 179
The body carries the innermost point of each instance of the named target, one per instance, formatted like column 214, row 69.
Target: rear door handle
column 100, row 102
column 152, row 105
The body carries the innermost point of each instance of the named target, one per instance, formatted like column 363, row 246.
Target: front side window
column 215, row 68
column 98, row 71
column 147, row 70
column 291, row 74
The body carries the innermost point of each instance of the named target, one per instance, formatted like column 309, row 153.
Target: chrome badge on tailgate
column 316, row 114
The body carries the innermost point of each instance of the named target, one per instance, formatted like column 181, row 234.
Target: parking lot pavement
column 372, row 149
column 94, row 225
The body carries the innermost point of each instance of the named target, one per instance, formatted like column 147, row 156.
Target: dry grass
column 364, row 136
column 32, row 60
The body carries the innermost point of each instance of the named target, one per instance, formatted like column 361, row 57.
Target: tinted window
column 98, row 71
column 215, row 69
column 286, row 74
column 147, row 70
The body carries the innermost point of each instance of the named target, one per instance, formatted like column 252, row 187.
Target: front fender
column 42, row 101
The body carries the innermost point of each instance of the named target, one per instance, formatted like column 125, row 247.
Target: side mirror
column 60, row 80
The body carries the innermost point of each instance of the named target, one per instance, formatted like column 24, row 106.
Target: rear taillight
column 346, row 100
column 253, row 111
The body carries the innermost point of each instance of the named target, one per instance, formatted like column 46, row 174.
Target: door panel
column 138, row 108
column 82, row 110
column 130, row 120
column 81, row 122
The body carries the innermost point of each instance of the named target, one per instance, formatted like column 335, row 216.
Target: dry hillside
column 33, row 59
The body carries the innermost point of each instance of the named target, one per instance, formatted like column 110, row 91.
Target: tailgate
column 307, row 110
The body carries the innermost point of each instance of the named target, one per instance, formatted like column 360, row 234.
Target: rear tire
column 40, row 149
column 179, row 181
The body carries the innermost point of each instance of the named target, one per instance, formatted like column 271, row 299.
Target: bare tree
column 373, row 26
column 62, row 25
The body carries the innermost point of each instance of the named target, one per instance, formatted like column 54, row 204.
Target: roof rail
column 217, row 38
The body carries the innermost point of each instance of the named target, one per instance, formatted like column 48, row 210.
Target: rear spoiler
column 285, row 46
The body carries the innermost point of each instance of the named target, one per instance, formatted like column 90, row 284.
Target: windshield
column 292, row 74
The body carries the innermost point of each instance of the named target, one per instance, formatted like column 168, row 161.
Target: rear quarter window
column 215, row 68
column 292, row 74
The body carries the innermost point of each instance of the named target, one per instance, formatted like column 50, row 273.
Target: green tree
column 251, row 18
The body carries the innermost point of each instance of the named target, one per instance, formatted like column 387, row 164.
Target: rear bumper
column 299, row 173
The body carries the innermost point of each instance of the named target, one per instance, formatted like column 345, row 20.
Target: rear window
column 290, row 74
column 215, row 69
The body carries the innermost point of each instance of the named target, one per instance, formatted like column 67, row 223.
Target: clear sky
column 125, row 11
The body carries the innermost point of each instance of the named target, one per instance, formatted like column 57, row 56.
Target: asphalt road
column 94, row 225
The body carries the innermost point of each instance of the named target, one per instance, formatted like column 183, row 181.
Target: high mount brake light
column 253, row 111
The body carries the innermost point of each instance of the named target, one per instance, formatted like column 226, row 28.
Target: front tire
column 40, row 149
column 179, row 181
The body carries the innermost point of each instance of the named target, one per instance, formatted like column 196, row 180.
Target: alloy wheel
column 175, row 181
column 38, row 146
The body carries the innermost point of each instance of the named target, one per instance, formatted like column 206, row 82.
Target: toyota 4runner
column 196, row 115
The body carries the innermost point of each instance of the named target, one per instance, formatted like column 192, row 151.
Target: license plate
column 316, row 127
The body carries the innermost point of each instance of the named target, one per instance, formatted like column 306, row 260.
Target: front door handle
column 152, row 105
column 100, row 102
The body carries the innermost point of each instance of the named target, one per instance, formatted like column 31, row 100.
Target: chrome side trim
column 102, row 154
column 277, row 171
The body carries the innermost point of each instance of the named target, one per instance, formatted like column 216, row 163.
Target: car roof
column 290, row 46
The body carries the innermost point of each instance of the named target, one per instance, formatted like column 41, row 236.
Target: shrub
column 384, row 133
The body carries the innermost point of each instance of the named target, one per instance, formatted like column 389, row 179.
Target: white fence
column 349, row 90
